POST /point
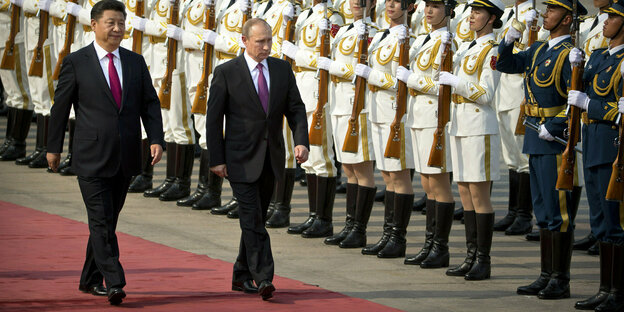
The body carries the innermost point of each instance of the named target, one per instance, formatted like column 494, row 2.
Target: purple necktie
column 263, row 90
column 113, row 77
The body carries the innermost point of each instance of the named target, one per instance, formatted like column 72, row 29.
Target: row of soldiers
column 372, row 78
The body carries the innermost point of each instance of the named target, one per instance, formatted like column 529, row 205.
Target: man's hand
column 219, row 170
column 301, row 154
column 156, row 152
column 54, row 159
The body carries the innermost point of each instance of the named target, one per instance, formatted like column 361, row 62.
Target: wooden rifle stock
column 201, row 93
column 396, row 137
column 289, row 35
column 246, row 17
column 437, row 154
column 352, row 137
column 164, row 94
column 8, row 57
column 137, row 35
column 615, row 191
column 69, row 39
column 534, row 30
column 36, row 65
column 316, row 128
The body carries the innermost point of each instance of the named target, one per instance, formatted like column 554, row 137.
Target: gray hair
column 251, row 22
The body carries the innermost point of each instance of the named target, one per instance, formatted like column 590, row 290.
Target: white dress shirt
column 616, row 49
column 555, row 41
column 254, row 71
column 103, row 58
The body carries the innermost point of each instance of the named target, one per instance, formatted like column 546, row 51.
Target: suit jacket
column 106, row 138
column 249, row 131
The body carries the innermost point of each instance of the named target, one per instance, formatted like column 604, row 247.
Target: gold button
column 476, row 110
column 430, row 102
column 392, row 98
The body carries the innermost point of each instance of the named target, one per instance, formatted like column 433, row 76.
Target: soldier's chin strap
column 486, row 23
column 560, row 21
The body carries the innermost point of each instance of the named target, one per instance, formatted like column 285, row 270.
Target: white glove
column 578, row 99
column 174, row 32
column 360, row 28
column 449, row 79
column 72, row 8
column 289, row 49
column 446, row 38
column 19, row 3
column 323, row 63
column 544, row 134
column 289, row 11
column 44, row 5
column 403, row 73
column 622, row 70
column 576, row 57
column 362, row 70
column 208, row 2
column 243, row 5
column 209, row 37
column 138, row 23
column 511, row 35
column 400, row 31
column 621, row 105
column 323, row 24
column 529, row 17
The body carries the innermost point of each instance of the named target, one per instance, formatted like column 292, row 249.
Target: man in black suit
column 254, row 92
column 111, row 91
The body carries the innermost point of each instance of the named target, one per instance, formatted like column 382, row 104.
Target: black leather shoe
column 140, row 184
column 533, row 237
column 520, row 226
column 96, row 290
column 420, row 203
column 40, row 161
column 266, row 289
column 233, row 214
column 319, row 228
column 280, row 218
column 299, row 228
column 223, row 210
column 458, row 214
column 116, row 295
column 247, row 287
column 67, row 171
column 585, row 243
column 594, row 250
column 341, row 188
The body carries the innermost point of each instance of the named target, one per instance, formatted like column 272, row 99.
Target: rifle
column 534, row 30
column 615, row 191
column 289, row 35
column 565, row 179
column 36, row 65
column 437, row 154
column 201, row 93
column 316, row 127
column 8, row 57
column 69, row 39
column 352, row 137
column 535, row 127
column 164, row 94
column 137, row 35
column 246, row 17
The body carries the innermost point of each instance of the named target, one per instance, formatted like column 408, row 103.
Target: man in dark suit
column 111, row 91
column 254, row 92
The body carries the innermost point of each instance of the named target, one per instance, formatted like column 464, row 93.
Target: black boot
column 312, row 187
column 281, row 215
column 181, row 187
column 395, row 248
column 606, row 266
column 212, row 198
column 505, row 222
column 615, row 300
column 9, row 129
column 170, row 174
column 470, row 221
column 524, row 211
column 379, row 196
column 71, row 127
column 271, row 208
column 21, row 125
column 458, row 214
column 594, row 250
column 429, row 231
column 143, row 181
column 546, row 258
column 438, row 257
column 559, row 285
column 225, row 209
column 420, row 204
column 24, row 161
column 585, row 243
column 40, row 161
column 352, row 190
column 363, row 207
column 387, row 226
column 533, row 236
column 202, row 185
column 481, row 268
column 325, row 194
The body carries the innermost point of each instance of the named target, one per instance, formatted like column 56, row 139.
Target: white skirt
column 422, row 139
column 476, row 158
column 340, row 124
column 380, row 133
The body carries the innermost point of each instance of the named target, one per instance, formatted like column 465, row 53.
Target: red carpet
column 42, row 256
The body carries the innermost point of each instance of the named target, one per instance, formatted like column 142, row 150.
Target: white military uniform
column 15, row 81
column 591, row 34
column 381, row 18
column 419, row 23
column 229, row 26
column 383, row 58
column 342, row 93
column 308, row 39
column 475, row 142
column 461, row 24
column 344, row 8
column 422, row 110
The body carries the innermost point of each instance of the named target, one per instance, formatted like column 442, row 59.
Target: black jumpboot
column 546, row 258
column 352, row 190
column 508, row 220
column 230, row 206
column 559, row 285
column 325, row 195
column 388, row 199
column 281, row 214
column 143, row 181
column 429, row 231
column 615, row 300
column 21, row 125
column 40, row 161
column 524, row 212
column 356, row 238
column 312, row 187
column 212, row 198
column 439, row 255
column 202, row 184
column 24, row 161
column 9, row 129
column 65, row 168
column 181, row 187
column 606, row 266
column 470, row 221
column 481, row 268
column 170, row 174
column 397, row 243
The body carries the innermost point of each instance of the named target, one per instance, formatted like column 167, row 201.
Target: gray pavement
column 515, row 261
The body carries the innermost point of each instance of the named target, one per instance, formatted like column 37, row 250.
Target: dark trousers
column 104, row 198
column 604, row 216
column 255, row 260
column 552, row 208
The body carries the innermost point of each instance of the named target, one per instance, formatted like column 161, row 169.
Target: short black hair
column 104, row 5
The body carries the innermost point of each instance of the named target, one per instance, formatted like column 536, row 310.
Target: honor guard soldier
column 381, row 18
column 602, row 81
column 419, row 25
column 461, row 24
column 320, row 170
column 344, row 7
column 547, row 77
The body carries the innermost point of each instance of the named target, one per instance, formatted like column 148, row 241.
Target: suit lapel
column 125, row 73
column 249, row 82
column 100, row 75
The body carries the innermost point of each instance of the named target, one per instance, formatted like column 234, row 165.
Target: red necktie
column 113, row 77
column 263, row 90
